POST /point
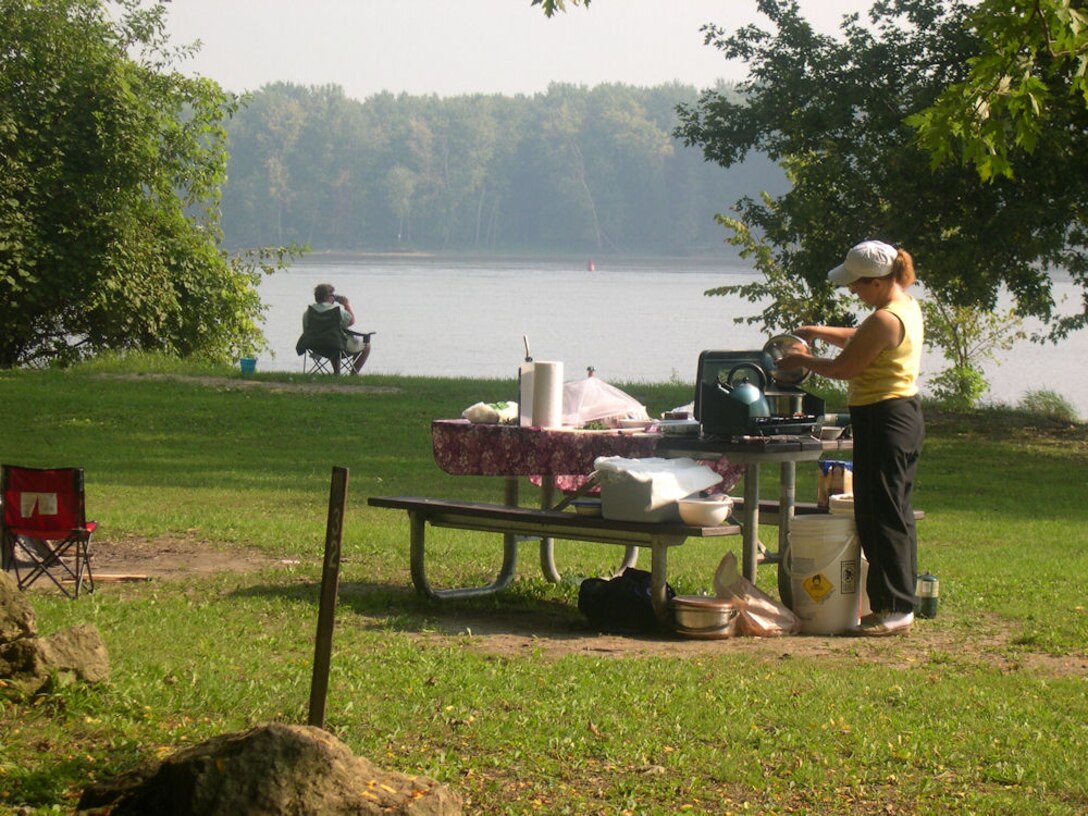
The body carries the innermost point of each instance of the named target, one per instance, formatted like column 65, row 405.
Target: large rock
column 33, row 664
column 270, row 770
column 78, row 652
column 30, row 663
column 16, row 613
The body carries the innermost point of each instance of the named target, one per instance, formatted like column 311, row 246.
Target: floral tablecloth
column 462, row 448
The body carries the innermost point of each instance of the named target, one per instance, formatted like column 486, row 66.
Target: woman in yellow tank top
column 880, row 360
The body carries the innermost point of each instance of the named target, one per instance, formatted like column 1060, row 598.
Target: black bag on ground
column 621, row 605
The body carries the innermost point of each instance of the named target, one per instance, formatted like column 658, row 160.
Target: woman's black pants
column 887, row 443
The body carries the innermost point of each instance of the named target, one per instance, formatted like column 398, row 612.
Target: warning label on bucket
column 848, row 584
column 817, row 586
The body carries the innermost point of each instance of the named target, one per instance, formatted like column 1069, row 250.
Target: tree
column 967, row 337
column 552, row 6
column 400, row 186
column 834, row 113
column 574, row 169
column 1025, row 86
column 110, row 168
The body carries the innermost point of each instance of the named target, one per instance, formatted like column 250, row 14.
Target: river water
column 633, row 321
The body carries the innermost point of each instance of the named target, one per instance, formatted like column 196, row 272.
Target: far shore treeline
column 574, row 169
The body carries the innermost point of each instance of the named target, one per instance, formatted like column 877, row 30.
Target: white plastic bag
column 594, row 400
column 758, row 613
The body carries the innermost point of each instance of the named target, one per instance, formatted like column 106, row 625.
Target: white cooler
column 648, row 489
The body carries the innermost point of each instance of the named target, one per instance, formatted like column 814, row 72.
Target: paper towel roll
column 548, row 394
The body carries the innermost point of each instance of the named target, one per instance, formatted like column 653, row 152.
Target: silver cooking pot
column 701, row 616
column 777, row 348
column 785, row 404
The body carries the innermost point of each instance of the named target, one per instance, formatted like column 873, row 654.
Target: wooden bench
column 512, row 522
column 769, row 510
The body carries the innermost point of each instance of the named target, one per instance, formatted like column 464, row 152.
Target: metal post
column 547, row 543
column 750, row 533
column 330, row 579
column 787, row 499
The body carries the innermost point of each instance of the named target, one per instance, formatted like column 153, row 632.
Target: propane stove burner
column 734, row 398
column 804, row 424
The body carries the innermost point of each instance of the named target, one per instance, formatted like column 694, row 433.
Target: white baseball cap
column 869, row 259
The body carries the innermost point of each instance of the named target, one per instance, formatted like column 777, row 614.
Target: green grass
column 982, row 710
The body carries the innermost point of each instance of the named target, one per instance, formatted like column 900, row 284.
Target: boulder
column 16, row 613
column 77, row 652
column 33, row 664
column 269, row 770
column 30, row 663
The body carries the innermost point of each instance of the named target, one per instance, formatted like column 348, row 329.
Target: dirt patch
column 555, row 630
column 347, row 384
column 135, row 559
column 554, row 636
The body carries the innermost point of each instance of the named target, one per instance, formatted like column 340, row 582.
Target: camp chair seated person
column 326, row 341
column 45, row 532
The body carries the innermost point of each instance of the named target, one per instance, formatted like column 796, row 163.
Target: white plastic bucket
column 843, row 505
column 824, row 566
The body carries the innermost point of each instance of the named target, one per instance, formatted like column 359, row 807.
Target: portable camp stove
column 793, row 411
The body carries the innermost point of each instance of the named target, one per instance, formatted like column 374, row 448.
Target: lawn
column 513, row 700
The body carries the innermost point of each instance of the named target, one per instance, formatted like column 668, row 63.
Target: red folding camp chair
column 44, row 530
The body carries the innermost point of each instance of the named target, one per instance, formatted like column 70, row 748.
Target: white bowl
column 830, row 432
column 710, row 512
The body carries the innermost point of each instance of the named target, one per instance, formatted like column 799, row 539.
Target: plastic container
column 841, row 504
column 647, row 489
column 823, row 563
column 587, row 507
column 248, row 365
column 632, row 500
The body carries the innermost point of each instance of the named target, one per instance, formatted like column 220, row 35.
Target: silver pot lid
column 777, row 348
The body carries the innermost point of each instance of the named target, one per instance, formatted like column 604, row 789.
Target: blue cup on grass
column 248, row 364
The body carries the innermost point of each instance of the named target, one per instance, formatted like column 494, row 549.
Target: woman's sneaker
column 885, row 624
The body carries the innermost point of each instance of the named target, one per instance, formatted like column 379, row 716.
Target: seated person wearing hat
column 325, row 300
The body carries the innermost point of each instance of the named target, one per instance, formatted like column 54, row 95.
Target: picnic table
column 556, row 459
column 562, row 460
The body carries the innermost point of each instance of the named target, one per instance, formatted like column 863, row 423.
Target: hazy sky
column 453, row 47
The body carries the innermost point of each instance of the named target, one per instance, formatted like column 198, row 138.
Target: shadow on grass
column 519, row 611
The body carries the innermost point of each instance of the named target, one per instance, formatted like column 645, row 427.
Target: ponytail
column 903, row 268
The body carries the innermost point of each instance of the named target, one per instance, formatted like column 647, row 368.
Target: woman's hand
column 834, row 335
column 789, row 362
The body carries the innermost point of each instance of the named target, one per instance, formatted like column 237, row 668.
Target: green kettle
column 739, row 386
